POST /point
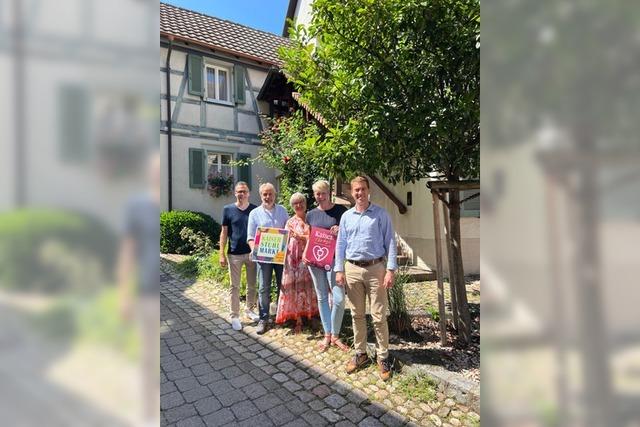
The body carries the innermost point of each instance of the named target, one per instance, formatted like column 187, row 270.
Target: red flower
column 286, row 159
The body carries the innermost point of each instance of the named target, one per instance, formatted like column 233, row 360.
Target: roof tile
column 214, row 32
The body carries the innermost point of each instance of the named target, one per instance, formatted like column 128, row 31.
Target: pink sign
column 321, row 247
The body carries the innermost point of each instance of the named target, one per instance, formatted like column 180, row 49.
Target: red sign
column 321, row 247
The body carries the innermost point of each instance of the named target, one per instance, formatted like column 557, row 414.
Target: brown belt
column 365, row 263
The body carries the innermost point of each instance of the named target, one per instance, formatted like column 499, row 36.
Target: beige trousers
column 367, row 283
column 235, row 269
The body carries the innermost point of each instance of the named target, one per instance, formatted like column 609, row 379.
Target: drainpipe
column 169, row 151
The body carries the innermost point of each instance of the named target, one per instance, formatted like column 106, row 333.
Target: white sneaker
column 251, row 315
column 235, row 324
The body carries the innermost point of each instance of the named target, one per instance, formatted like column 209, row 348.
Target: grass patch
column 417, row 385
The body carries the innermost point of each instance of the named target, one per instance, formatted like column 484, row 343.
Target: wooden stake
column 439, row 272
column 452, row 276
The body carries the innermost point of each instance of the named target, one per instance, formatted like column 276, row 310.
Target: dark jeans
column 265, row 273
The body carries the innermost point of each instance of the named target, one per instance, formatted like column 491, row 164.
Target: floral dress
column 297, row 295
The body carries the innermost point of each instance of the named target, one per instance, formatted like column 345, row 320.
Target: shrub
column 54, row 250
column 172, row 223
column 399, row 319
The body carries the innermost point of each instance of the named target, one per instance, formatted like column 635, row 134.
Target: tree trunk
column 464, row 317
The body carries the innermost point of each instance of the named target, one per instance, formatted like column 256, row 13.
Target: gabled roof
column 225, row 36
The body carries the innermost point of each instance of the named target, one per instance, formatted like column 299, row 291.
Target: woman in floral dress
column 297, row 296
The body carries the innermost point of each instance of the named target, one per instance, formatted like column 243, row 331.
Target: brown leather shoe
column 357, row 362
column 385, row 366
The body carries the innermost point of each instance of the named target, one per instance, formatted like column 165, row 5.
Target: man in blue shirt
column 367, row 243
column 269, row 214
column 235, row 218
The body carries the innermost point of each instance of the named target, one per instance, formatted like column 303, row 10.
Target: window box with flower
column 219, row 184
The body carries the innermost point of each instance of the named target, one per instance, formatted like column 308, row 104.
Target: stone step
column 418, row 274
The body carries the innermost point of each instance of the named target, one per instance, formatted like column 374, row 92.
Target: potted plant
column 219, row 184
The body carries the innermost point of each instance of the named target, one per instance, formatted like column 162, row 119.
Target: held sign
column 321, row 247
column 270, row 245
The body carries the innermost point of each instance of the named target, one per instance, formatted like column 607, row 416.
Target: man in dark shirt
column 234, row 230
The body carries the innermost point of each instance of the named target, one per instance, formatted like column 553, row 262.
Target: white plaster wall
column 198, row 199
column 416, row 226
column 257, row 78
column 303, row 12
column 247, row 123
column 219, row 116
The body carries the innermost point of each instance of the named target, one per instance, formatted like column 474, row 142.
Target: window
column 470, row 208
column 218, row 87
column 219, row 163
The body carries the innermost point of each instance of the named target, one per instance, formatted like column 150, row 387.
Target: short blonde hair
column 265, row 186
column 320, row 185
column 297, row 196
column 360, row 178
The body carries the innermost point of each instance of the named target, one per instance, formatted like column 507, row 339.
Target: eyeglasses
column 241, row 191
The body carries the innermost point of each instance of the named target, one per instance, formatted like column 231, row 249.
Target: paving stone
column 443, row 411
column 180, row 413
column 315, row 419
column 317, row 404
column 286, row 366
column 220, row 387
column 201, row 369
column 298, row 375
column 259, row 375
column 180, row 373
column 172, row 366
column 296, row 407
column 180, row 348
column 254, row 390
column 207, row 405
column 167, row 387
column 335, row 401
column 232, row 372
column 223, row 417
column 376, row 409
column 231, row 397
column 292, row 386
column 392, row 419
column 370, row 422
column 191, row 422
column 345, row 423
column 267, row 402
column 330, row 415
column 305, row 396
column 209, row 378
column 242, row 380
column 221, row 364
column 280, row 377
column 309, row 384
column 357, row 396
column 299, row 422
column 244, row 409
column 321, row 391
column 214, row 355
column 280, row 415
column 197, row 393
column 260, row 420
column 188, row 383
column 171, row 400
column 352, row 413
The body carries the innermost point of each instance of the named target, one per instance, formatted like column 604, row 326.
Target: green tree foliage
column 286, row 145
column 397, row 82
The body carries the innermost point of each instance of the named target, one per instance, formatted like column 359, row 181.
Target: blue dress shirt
column 261, row 217
column 366, row 236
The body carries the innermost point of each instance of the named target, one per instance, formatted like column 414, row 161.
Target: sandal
column 342, row 346
column 324, row 344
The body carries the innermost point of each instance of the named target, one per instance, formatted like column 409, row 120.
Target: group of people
column 363, row 268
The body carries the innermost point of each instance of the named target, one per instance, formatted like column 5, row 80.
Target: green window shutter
column 196, row 168
column 74, row 123
column 238, row 72
column 196, row 83
column 244, row 172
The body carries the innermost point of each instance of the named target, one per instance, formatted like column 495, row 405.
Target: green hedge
column 171, row 223
column 50, row 250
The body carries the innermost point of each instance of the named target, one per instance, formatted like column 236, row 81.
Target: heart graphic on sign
column 320, row 253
